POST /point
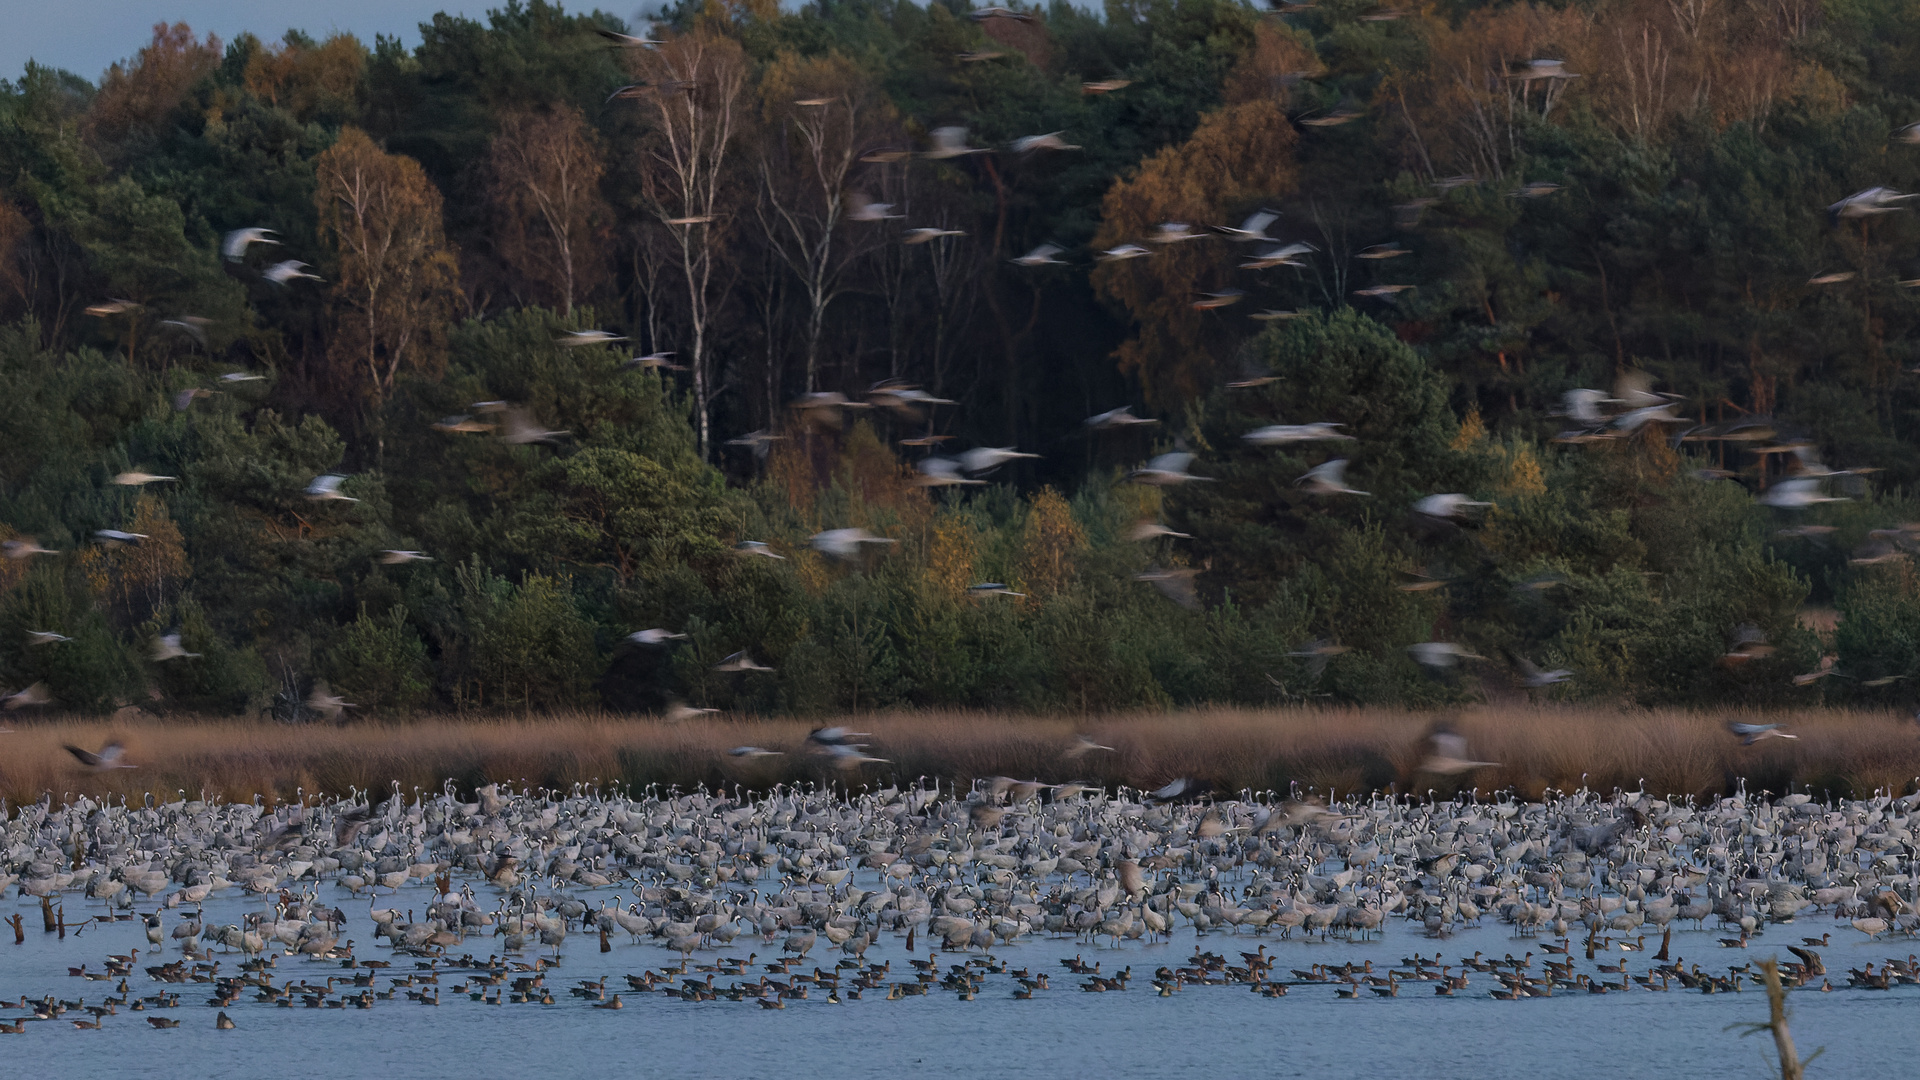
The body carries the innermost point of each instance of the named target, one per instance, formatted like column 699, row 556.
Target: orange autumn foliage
column 877, row 479
column 395, row 287
column 141, row 92
column 305, row 79
column 1239, row 156
column 1642, row 64
column 15, row 230
column 549, row 218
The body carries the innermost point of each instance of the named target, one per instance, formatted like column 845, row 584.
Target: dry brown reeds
column 1343, row 750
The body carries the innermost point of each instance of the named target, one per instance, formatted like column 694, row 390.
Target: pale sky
column 84, row 36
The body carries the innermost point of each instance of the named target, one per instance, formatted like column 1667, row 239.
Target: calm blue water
column 1226, row 1031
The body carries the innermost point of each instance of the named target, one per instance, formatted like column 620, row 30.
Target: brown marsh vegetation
column 1346, row 750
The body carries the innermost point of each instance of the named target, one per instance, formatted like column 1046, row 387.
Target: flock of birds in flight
column 1597, row 415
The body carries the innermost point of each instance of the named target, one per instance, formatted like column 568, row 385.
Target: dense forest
column 426, row 378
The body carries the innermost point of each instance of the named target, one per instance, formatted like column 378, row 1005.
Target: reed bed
column 1673, row 753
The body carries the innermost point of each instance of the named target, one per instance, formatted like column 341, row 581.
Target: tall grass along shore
column 1675, row 753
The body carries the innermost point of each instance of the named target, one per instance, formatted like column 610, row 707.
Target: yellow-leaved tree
column 1048, row 543
column 951, row 553
column 396, row 282
column 549, row 219
column 139, row 580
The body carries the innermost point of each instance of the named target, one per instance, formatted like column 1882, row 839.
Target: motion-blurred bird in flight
column 1166, row 470
column 1285, row 434
column 234, row 245
column 1328, row 478
column 110, row 756
column 327, row 487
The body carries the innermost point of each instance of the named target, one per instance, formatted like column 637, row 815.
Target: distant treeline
column 1599, row 193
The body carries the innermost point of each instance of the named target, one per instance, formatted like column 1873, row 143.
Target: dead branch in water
column 1791, row 1067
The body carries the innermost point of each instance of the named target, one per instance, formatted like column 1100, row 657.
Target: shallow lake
column 1225, row 1031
